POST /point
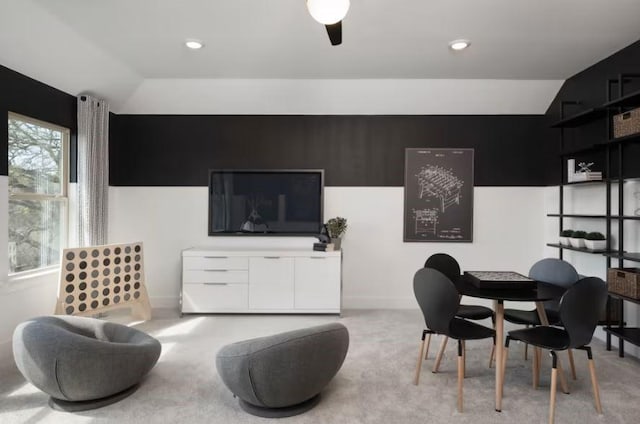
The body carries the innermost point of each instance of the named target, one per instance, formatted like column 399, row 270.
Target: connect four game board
column 101, row 278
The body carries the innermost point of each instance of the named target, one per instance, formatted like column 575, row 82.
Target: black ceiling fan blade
column 335, row 33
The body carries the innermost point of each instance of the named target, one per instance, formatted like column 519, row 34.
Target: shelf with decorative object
column 627, row 256
column 578, row 249
column 587, row 182
column 632, row 138
column 573, row 215
column 623, row 297
column 590, row 216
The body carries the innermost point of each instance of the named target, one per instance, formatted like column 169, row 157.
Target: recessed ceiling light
column 458, row 45
column 194, row 44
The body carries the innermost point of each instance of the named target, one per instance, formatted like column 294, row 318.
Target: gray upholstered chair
column 282, row 375
column 83, row 363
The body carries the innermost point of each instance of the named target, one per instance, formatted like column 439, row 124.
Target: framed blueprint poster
column 438, row 195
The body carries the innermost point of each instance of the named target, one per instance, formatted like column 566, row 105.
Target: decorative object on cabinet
column 98, row 279
column 577, row 239
column 595, row 241
column 565, row 235
column 282, row 375
column 626, row 123
column 264, row 281
column 336, row 227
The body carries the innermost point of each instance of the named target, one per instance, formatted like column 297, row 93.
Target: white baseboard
column 165, row 302
column 358, row 302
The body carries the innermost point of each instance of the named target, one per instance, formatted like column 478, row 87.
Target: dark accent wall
column 589, row 87
column 359, row 150
column 26, row 96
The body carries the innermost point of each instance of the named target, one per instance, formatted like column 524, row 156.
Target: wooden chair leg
column 460, row 373
column 464, row 359
column 594, row 381
column 572, row 364
column 492, row 357
column 554, row 384
column 443, row 345
column 416, row 378
column 526, row 347
column 536, row 367
column 563, row 379
column 426, row 354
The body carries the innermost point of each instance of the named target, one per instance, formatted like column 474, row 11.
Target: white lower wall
column 24, row 300
column 378, row 265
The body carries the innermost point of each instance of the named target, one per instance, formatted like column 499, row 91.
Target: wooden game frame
column 98, row 279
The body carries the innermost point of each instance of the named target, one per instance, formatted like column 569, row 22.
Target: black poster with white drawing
column 438, row 195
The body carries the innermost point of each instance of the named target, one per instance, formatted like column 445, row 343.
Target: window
column 37, row 193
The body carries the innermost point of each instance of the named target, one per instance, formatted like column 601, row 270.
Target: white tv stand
column 241, row 280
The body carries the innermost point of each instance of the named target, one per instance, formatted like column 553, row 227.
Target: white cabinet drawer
column 214, row 262
column 214, row 297
column 271, row 283
column 317, row 283
column 215, row 276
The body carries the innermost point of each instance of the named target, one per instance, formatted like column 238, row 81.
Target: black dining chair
column 447, row 265
column 439, row 301
column 551, row 271
column 579, row 310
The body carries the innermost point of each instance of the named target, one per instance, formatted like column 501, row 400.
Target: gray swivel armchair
column 83, row 363
column 282, row 375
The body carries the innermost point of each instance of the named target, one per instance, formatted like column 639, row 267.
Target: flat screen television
column 265, row 202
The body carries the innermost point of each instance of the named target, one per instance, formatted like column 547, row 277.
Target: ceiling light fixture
column 328, row 12
column 458, row 45
column 194, row 44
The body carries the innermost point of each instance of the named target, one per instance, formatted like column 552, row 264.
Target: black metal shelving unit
column 612, row 149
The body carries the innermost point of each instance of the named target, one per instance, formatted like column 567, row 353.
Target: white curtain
column 93, row 171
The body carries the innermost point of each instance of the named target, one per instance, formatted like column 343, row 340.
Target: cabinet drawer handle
column 216, row 257
column 216, row 284
column 216, row 270
column 317, row 257
column 272, row 257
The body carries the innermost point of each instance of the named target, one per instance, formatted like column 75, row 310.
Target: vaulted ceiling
column 511, row 39
column 115, row 47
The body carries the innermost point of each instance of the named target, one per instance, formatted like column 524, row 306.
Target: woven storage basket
column 626, row 123
column 624, row 281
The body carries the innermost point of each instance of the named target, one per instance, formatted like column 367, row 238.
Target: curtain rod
column 84, row 99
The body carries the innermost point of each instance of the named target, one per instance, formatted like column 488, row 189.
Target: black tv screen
column 265, row 202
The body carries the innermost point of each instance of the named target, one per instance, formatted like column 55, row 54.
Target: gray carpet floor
column 373, row 386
